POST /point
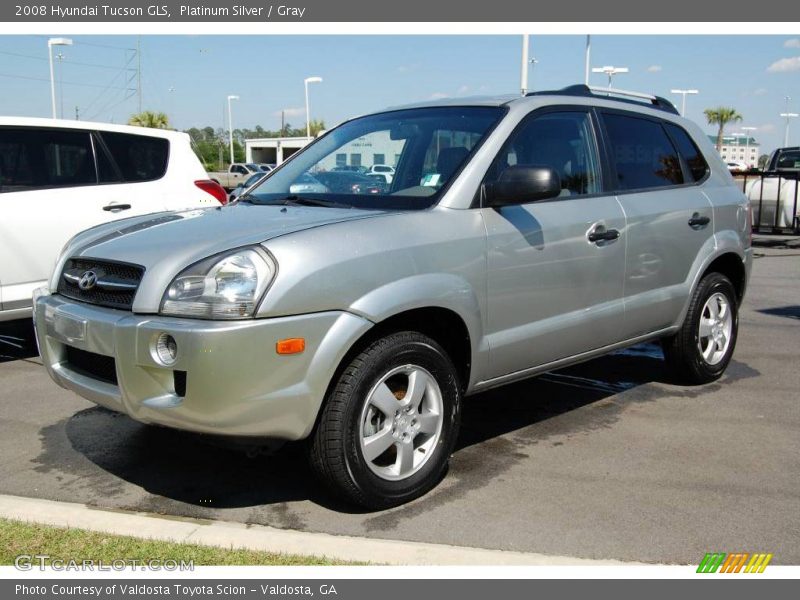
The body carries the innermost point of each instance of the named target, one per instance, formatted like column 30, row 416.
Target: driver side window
column 562, row 141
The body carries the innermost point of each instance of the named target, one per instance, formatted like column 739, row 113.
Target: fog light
column 166, row 349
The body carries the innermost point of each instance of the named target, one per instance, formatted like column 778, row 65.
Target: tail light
column 213, row 188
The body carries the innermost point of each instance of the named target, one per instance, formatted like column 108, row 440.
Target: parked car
column 237, row 173
column 384, row 171
column 350, row 169
column 307, row 184
column 249, row 182
column 349, row 182
column 737, row 167
column 60, row 177
column 773, row 195
column 562, row 226
column 267, row 167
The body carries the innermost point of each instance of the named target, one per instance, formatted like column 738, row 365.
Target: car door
column 554, row 287
column 669, row 218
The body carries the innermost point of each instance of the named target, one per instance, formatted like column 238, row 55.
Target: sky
column 189, row 77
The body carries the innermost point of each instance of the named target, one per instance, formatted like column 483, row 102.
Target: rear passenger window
column 139, row 157
column 691, row 154
column 643, row 154
column 39, row 158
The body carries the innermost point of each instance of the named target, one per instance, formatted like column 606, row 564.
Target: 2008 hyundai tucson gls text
column 517, row 235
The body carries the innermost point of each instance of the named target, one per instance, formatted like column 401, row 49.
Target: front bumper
column 235, row 382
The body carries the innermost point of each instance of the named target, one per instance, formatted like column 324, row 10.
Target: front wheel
column 702, row 348
column 389, row 424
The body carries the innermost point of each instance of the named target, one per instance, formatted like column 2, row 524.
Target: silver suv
column 518, row 235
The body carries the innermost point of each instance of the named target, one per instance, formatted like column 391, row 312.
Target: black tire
column 335, row 450
column 684, row 359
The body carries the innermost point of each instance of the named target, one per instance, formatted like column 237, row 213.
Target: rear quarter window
column 698, row 167
column 138, row 157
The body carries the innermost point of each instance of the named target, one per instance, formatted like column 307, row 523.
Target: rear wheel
column 390, row 422
column 701, row 350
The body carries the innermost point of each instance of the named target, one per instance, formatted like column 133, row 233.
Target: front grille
column 96, row 366
column 110, row 284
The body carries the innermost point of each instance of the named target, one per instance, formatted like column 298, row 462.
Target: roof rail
column 611, row 94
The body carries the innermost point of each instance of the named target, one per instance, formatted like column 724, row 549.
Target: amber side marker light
column 290, row 346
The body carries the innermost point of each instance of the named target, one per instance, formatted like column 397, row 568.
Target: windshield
column 426, row 147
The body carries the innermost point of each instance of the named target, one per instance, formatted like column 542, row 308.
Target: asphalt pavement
column 605, row 460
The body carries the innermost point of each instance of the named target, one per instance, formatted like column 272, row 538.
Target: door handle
column 697, row 222
column 116, row 207
column 607, row 235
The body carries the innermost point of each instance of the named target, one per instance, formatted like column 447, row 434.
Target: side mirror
column 521, row 184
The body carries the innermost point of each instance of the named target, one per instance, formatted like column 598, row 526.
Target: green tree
column 149, row 118
column 316, row 125
column 721, row 116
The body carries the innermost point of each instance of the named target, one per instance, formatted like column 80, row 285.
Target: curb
column 228, row 534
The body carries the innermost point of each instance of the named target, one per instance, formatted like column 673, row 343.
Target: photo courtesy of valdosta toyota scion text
column 382, row 298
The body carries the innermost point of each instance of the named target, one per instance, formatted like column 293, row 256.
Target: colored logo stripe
column 711, row 562
column 758, row 563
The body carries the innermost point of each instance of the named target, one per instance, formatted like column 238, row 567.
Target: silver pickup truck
column 518, row 235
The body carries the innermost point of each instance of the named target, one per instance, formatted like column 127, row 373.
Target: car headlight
column 227, row 286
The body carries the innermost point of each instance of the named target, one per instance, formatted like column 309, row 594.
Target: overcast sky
column 189, row 77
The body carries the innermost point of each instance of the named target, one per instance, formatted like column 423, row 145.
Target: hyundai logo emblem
column 88, row 280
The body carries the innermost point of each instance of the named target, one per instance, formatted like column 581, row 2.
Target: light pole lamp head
column 313, row 80
column 233, row 97
column 59, row 42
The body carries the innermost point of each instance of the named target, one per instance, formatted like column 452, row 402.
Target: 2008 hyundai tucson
column 517, row 235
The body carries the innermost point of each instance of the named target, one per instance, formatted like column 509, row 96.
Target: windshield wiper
column 305, row 201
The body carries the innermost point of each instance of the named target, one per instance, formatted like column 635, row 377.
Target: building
column 377, row 148
column 273, row 150
column 738, row 148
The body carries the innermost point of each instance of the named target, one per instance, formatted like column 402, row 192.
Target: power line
column 71, row 62
column 105, row 89
column 75, row 83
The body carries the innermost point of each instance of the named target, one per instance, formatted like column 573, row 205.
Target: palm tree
column 316, row 125
column 149, row 118
column 721, row 116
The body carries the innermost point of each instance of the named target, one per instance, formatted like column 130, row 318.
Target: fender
column 724, row 242
column 430, row 290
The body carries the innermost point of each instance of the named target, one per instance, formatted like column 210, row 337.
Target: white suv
column 60, row 177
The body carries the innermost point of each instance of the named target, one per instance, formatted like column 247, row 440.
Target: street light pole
column 683, row 100
column 588, row 58
column 50, row 43
column 230, row 123
column 306, row 81
column 523, row 77
column 787, row 115
column 610, row 70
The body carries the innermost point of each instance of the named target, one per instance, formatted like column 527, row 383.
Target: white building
column 377, row 148
column 273, row 150
column 738, row 148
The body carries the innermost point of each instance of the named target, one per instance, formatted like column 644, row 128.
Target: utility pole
column 77, row 114
column 283, row 123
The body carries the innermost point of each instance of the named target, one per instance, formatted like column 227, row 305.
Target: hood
column 167, row 243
